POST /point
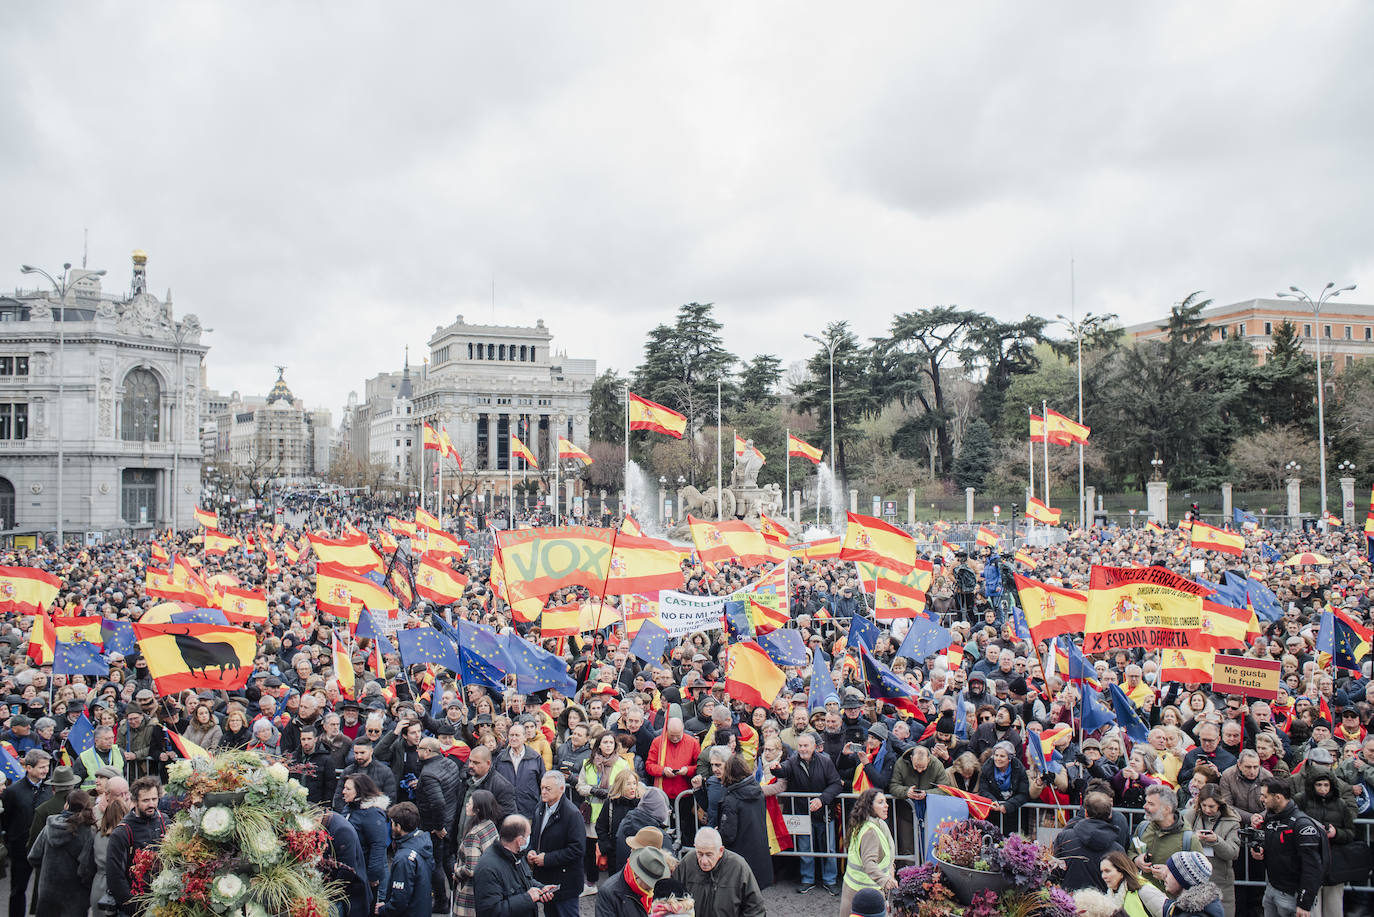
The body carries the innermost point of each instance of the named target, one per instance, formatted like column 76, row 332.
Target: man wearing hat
column 1188, row 888
column 719, row 880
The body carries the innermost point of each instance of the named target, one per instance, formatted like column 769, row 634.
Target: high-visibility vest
column 854, row 875
column 92, row 764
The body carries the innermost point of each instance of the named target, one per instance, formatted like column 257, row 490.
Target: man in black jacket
column 20, row 799
column 1083, row 844
column 436, row 795
column 812, row 771
column 142, row 827
column 1294, row 851
column 318, row 775
column 501, row 883
column 482, row 776
column 558, row 838
column 364, row 763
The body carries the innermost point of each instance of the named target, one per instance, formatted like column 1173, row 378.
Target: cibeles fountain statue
column 743, row 499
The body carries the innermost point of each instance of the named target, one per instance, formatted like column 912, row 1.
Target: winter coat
column 608, row 824
column 1242, row 796
column 570, row 760
column 1162, row 843
column 131, row 835
column 636, row 818
column 350, row 865
column 410, row 893
column 1013, row 798
column 1337, row 808
column 1203, row 900
column 592, row 780
column 380, row 774
column 744, row 827
column 525, row 782
column 65, row 861
column 817, row 776
column 562, row 842
column 494, row 784
column 1082, row 845
column 319, row 777
column 368, row 817
column 905, row 777
column 728, row 890
column 501, row 884
column 475, row 843
column 1223, row 853
column 616, row 899
column 206, row 737
column 100, row 849
column 17, row 806
column 436, row 795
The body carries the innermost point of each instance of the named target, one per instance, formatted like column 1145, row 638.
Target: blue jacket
column 349, row 867
column 411, row 893
column 374, row 834
column 526, row 782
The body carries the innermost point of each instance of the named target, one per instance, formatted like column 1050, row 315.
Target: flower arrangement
column 246, row 844
column 1018, row 872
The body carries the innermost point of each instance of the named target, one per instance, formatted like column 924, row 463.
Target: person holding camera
column 1293, row 848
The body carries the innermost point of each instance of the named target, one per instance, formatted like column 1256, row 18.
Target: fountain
column 641, row 497
column 830, row 493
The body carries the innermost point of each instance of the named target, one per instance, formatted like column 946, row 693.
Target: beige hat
column 646, row 837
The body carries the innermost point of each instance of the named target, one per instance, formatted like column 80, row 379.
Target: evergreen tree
column 1003, row 350
column 1289, row 381
column 854, row 396
column 758, row 382
column 977, row 454
column 606, row 415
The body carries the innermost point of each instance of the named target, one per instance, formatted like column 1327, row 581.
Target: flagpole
column 1030, row 493
column 510, row 482
column 556, row 462
column 422, row 468
column 1045, row 413
column 720, row 493
column 625, row 509
column 787, row 473
column 441, row 491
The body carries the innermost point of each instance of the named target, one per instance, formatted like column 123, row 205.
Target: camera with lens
column 1252, row 838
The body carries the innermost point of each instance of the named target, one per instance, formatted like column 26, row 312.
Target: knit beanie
column 868, row 902
column 1190, row 868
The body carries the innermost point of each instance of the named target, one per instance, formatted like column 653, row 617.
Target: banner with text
column 682, row 614
column 1150, row 608
column 1257, row 679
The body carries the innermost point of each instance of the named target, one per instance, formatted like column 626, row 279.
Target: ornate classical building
column 273, row 437
column 112, row 382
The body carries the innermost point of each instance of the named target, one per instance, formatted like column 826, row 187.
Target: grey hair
column 1164, row 794
column 1249, row 753
column 374, row 719
column 44, row 722
column 554, row 777
column 708, row 837
column 1007, row 747
column 719, row 753
column 722, row 714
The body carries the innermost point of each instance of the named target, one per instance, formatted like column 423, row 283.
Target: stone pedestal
column 1226, row 503
column 1157, row 501
column 796, row 506
column 968, row 504
column 1294, row 503
column 853, row 499
column 1348, row 501
column 1089, row 504
column 911, row 505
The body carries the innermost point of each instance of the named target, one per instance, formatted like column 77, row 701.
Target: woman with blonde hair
column 236, row 733
column 116, row 807
column 623, row 799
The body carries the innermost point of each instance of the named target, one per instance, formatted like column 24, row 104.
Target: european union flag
column 862, row 631
column 941, row 810
column 367, row 626
column 536, row 668
column 1265, row 604
column 924, row 638
column 1269, row 555
column 1080, row 669
column 82, row 735
column 1095, row 716
column 119, row 637
column 785, row 647
column 822, row 684
column 1233, row 590
column 884, row 685
column 485, row 660
column 10, row 766
column 1018, row 621
column 1241, row 517
column 1126, row 716
column 650, row 643
column 1338, row 639
column 79, row 658
column 737, row 624
column 424, row 645
column 197, row 616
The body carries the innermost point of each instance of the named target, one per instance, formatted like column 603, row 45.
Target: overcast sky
column 324, row 183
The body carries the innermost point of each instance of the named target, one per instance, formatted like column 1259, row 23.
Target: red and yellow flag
column 517, row 448
column 566, row 450
column 820, row 549
column 1151, row 608
column 1024, row 557
column 352, row 551
column 243, row 606
column 196, row 656
column 902, row 595
column 343, row 666
column 1051, row 610
column 292, row 551
column 402, row 527
column 429, row 438
column 649, row 415
column 629, row 526
column 206, row 518
column 1037, row 432
column 751, row 677
column 1188, row 666
column 342, row 592
column 537, row 561
column 987, row 537
column 1038, row 511
column 1214, row 539
column 437, row 582
column 641, row 564
column 217, row 544
column 872, row 540
column 800, row 448
column 158, row 554
column 1224, row 627
column 443, row 543
column 1061, row 429
column 772, row 530
column 27, row 590
column 733, row 539
column 560, row 621
column 978, row 806
column 425, row 520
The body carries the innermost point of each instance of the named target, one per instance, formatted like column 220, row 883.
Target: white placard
column 682, row 614
column 798, row 825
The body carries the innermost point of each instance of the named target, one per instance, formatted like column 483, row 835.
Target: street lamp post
column 830, row 349
column 1327, row 294
column 1076, row 328
column 69, row 277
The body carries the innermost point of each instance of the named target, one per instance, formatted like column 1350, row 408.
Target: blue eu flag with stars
column 485, row 661
column 79, row 657
column 536, row 668
column 785, row 647
column 425, row 645
column 650, row 643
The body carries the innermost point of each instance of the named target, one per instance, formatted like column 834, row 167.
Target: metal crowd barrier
column 1041, row 821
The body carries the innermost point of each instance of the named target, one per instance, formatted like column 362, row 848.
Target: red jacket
column 663, row 753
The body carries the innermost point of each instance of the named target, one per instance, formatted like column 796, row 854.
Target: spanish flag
column 734, row 539
column 343, row 666
column 1215, row 539
column 217, row 544
column 448, row 450
column 566, row 450
column 184, row 746
column 1187, row 666
column 1041, row 513
column 196, row 656
column 1051, row 610
column 42, row 640
column 206, row 518
column 773, row 531
column 1224, row 627
column 648, row 415
column 341, row 592
column 870, row 539
column 444, row 544
column 520, row 449
column 273, row 567
column 987, row 537
column 375, row 662
column 1058, row 437
column 425, row 520
column 158, row 554
column 352, row 551
column 401, row 527
column 429, row 438
column 192, row 585
column 902, row 595
column 1153, row 526
column 27, row 590
column 1024, row 557
column 537, row 561
column 560, row 621
column 438, row 582
column 751, row 677
column 739, row 445
column 800, row 448
column 644, row 565
column 386, row 542
column 243, row 606
column 292, row 552
column 978, row 806
column 820, row 549
column 629, row 526
column 1062, row 428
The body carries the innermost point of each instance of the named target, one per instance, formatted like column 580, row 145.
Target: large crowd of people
column 652, row 789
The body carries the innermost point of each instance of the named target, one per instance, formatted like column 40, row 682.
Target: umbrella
column 1307, row 559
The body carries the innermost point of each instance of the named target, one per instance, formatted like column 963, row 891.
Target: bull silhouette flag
column 182, row 656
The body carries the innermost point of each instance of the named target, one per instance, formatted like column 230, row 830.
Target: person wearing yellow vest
column 869, row 864
column 102, row 753
column 594, row 786
column 1123, row 884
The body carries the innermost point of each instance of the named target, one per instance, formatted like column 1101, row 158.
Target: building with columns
column 112, row 381
column 275, row 437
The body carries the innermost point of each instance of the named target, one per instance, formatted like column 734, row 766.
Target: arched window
column 491, row 351
column 523, row 348
column 501, row 351
column 141, row 407
column 469, row 350
column 6, row 504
